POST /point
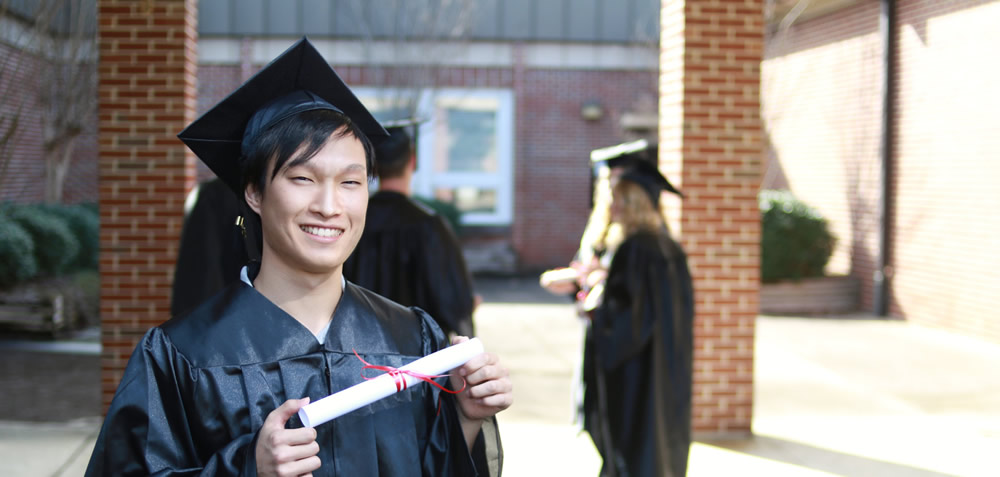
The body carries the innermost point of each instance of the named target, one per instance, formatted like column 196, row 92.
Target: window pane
column 390, row 105
column 391, row 113
column 466, row 138
column 469, row 199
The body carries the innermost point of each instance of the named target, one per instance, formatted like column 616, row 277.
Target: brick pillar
column 146, row 96
column 711, row 138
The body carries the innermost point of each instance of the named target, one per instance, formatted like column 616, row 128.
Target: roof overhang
column 793, row 11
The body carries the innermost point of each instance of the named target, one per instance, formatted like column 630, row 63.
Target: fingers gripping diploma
column 286, row 452
column 488, row 390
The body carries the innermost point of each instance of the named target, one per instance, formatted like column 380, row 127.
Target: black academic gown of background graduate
column 197, row 390
column 638, row 361
column 410, row 255
column 212, row 250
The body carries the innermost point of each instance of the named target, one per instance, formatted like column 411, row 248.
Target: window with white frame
column 465, row 148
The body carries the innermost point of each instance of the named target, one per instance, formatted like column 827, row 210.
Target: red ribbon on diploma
column 400, row 380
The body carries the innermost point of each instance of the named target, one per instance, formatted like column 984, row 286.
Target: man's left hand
column 488, row 389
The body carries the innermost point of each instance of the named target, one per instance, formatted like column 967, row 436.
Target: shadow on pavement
column 515, row 289
column 817, row 458
column 42, row 386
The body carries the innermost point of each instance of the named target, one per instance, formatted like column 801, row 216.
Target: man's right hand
column 286, row 452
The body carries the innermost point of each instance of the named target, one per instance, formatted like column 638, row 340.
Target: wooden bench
column 28, row 309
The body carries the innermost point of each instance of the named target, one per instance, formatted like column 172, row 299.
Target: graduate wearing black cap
column 216, row 391
column 408, row 253
column 638, row 353
column 601, row 236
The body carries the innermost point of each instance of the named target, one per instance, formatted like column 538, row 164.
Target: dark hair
column 393, row 153
column 302, row 136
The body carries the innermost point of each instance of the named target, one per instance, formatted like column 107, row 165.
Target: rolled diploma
column 343, row 402
column 557, row 275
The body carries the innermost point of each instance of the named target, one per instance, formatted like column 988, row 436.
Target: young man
column 216, row 392
column 408, row 252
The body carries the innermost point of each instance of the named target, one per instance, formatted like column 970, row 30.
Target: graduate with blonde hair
column 638, row 354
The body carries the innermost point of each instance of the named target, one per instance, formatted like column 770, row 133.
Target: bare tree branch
column 406, row 52
column 17, row 34
column 67, row 85
column 58, row 37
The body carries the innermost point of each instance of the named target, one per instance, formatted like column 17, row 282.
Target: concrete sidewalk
column 848, row 396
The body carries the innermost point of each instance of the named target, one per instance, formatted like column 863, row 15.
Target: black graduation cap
column 640, row 159
column 648, row 176
column 298, row 80
column 625, row 154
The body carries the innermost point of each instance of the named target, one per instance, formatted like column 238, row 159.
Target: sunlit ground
column 540, row 345
column 833, row 397
column 847, row 396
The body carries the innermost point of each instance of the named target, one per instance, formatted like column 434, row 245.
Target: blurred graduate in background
column 408, row 253
column 639, row 349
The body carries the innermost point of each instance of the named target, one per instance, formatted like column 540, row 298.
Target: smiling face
column 312, row 214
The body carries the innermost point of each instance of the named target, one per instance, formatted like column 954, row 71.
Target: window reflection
column 469, row 198
column 468, row 141
column 464, row 150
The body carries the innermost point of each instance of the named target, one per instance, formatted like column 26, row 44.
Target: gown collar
column 241, row 326
column 321, row 334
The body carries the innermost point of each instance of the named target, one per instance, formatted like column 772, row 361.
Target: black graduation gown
column 198, row 388
column 212, row 250
column 409, row 254
column 638, row 361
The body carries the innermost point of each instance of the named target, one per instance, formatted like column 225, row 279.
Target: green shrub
column 85, row 227
column 89, row 206
column 56, row 248
column 795, row 240
column 446, row 209
column 17, row 253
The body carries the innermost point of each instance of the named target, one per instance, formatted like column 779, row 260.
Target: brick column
column 147, row 95
column 711, row 138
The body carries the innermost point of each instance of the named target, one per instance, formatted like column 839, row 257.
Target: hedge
column 53, row 231
column 795, row 239
column 84, row 223
column 17, row 253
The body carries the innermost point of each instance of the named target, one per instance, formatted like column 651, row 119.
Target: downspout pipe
column 883, row 269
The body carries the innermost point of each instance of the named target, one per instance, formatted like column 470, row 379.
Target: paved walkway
column 848, row 396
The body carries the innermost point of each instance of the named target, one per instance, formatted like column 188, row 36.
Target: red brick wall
column 552, row 141
column 146, row 96
column 711, row 138
column 81, row 181
column 23, row 177
column 947, row 268
column 553, row 144
column 822, row 108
